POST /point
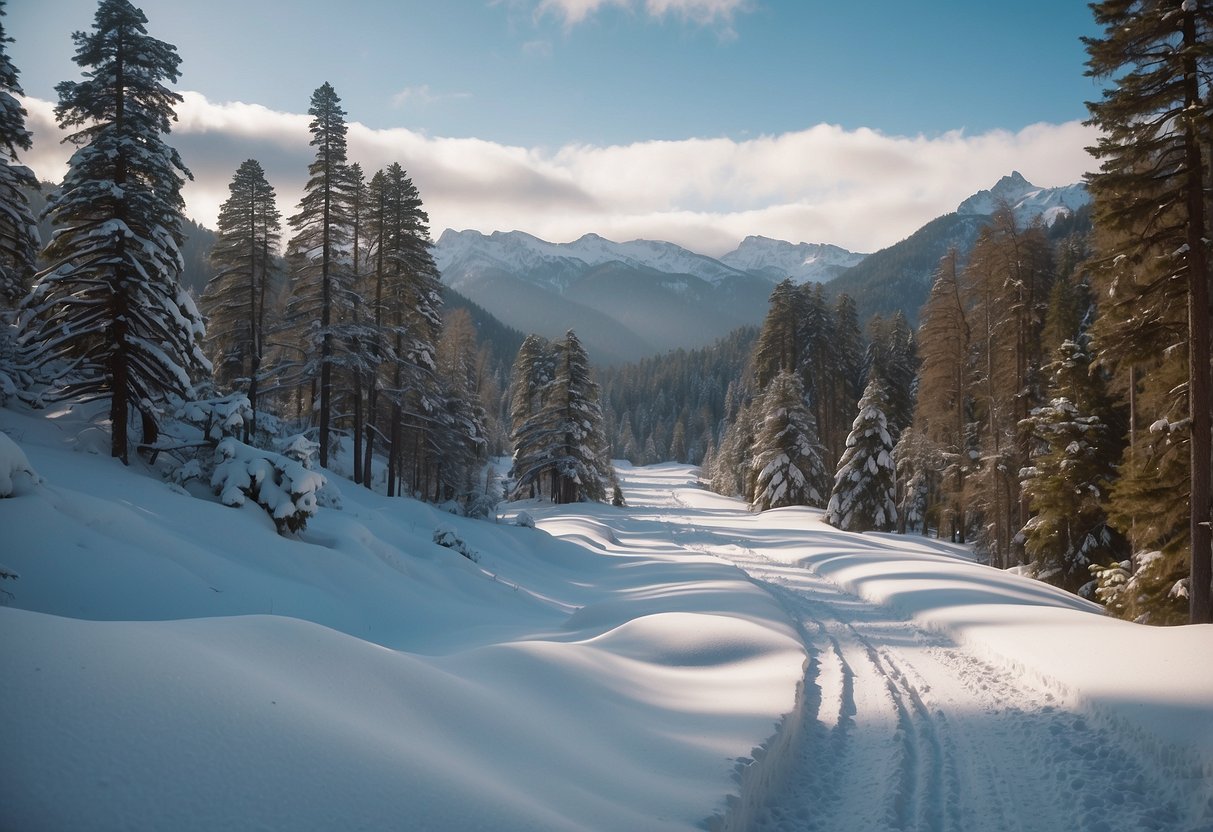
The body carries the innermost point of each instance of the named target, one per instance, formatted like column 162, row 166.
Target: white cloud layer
column 859, row 189
column 703, row 12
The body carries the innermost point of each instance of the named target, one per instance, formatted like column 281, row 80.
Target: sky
column 695, row 121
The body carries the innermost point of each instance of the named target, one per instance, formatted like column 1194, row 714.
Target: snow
column 17, row 477
column 1027, row 200
column 802, row 262
column 462, row 253
column 680, row 664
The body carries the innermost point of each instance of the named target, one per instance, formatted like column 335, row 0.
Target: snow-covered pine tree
column 316, row 253
column 893, row 356
column 582, row 468
column 236, row 299
column 787, row 463
column 1069, row 480
column 530, row 380
column 18, row 228
column 864, row 496
column 848, row 363
column 733, row 470
column 110, row 304
column 564, row 440
column 462, row 435
column 413, row 295
column 1151, row 198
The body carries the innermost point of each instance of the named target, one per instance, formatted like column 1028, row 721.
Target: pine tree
column 564, row 440
column 943, row 406
column 864, row 494
column 1007, row 282
column 1154, row 119
column 533, row 372
column 788, row 466
column 414, row 299
column 322, row 232
column 1140, row 336
column 1070, row 479
column 779, row 342
column 110, row 302
column 18, row 228
column 893, row 357
column 463, row 437
column 236, row 300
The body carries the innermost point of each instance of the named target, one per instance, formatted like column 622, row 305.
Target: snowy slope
column 802, row 262
column 171, row 663
column 1026, row 200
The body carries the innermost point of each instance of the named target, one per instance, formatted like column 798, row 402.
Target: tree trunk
column 1200, row 595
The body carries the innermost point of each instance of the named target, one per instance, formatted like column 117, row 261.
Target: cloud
column 861, row 189
column 702, row 12
column 422, row 95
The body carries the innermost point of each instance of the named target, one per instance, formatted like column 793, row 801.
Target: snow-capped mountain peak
column 803, row 262
column 1027, row 200
column 553, row 263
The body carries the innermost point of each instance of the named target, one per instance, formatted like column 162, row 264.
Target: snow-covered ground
column 170, row 663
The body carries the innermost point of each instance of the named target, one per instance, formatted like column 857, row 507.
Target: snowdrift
column 170, row 662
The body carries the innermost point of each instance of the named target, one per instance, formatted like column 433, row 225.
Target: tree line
column 338, row 331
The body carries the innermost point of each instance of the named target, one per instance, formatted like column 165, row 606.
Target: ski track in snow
column 904, row 730
column 912, row 733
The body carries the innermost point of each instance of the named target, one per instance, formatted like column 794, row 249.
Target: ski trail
column 905, row 730
column 908, row 732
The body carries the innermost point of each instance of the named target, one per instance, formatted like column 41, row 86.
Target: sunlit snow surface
column 170, row 663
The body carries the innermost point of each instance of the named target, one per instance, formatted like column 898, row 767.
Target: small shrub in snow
column 17, row 476
column 447, row 538
column 304, row 450
column 219, row 417
column 524, row 520
column 276, row 482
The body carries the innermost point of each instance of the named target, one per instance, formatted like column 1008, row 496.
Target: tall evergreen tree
column 564, row 440
column 1155, row 118
column 943, row 406
column 18, row 228
column 788, row 467
column 1070, row 478
column 316, row 251
column 779, row 342
column 893, row 357
column 530, row 381
column 1007, row 281
column 110, row 303
column 414, row 299
column 236, row 299
column 864, row 495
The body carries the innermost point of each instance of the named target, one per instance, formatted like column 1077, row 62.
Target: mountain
column 803, row 262
column 900, row 276
column 635, row 299
column 464, row 255
column 1026, row 200
column 626, row 301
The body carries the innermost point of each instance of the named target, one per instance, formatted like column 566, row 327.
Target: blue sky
column 549, row 78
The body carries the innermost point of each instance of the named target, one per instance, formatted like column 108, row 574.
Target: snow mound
column 17, row 476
